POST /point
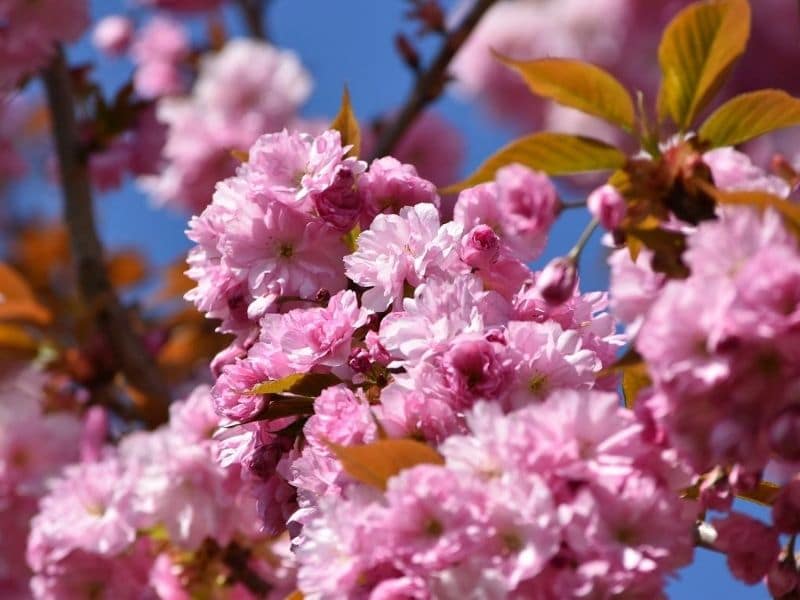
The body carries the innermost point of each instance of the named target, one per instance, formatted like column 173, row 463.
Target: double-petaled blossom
column 720, row 345
column 546, row 501
column 520, row 206
column 159, row 496
column 34, row 446
column 394, row 253
column 247, row 89
column 426, row 329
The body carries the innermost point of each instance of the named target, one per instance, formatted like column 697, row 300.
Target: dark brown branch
column 253, row 13
column 431, row 82
column 237, row 559
column 87, row 251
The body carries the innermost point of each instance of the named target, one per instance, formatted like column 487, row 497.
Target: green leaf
column 634, row 374
column 17, row 299
column 279, row 385
column 764, row 494
column 376, row 463
column 347, row 125
column 697, row 52
column 762, row 200
column 305, row 384
column 750, row 115
column 241, row 155
column 350, row 238
column 667, row 247
column 635, row 378
column 553, row 153
column 630, row 358
column 281, row 407
column 578, row 85
column 157, row 533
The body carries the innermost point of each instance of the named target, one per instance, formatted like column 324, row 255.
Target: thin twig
column 570, row 205
column 87, row 251
column 430, row 82
column 253, row 13
column 577, row 249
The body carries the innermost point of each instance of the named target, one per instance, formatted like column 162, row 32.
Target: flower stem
column 253, row 13
column 577, row 249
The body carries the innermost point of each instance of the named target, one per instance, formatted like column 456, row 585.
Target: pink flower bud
column 557, row 282
column 158, row 78
column 480, row 248
column 113, row 35
column 782, row 579
column 359, row 360
column 784, row 434
column 340, row 203
column 752, row 547
column 786, row 509
column 607, row 205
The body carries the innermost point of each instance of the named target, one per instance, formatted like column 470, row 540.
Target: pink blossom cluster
column 158, row 51
column 34, row 446
column 346, row 274
column 721, row 345
column 558, row 499
column 29, row 32
column 139, row 519
column 246, row 89
column 753, row 548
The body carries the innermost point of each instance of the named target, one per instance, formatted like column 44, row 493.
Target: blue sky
column 350, row 42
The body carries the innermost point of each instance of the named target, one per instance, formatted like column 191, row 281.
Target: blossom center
column 434, row 528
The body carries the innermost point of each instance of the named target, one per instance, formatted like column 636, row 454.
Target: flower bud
column 782, row 579
column 784, row 434
column 786, row 509
column 608, row 206
column 557, row 282
column 359, row 360
column 480, row 248
column 340, row 203
column 113, row 35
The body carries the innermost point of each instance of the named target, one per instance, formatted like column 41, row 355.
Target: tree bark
column 87, row 251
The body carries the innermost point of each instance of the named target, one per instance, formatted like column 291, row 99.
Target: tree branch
column 253, row 13
column 236, row 559
column 430, row 82
column 87, row 251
